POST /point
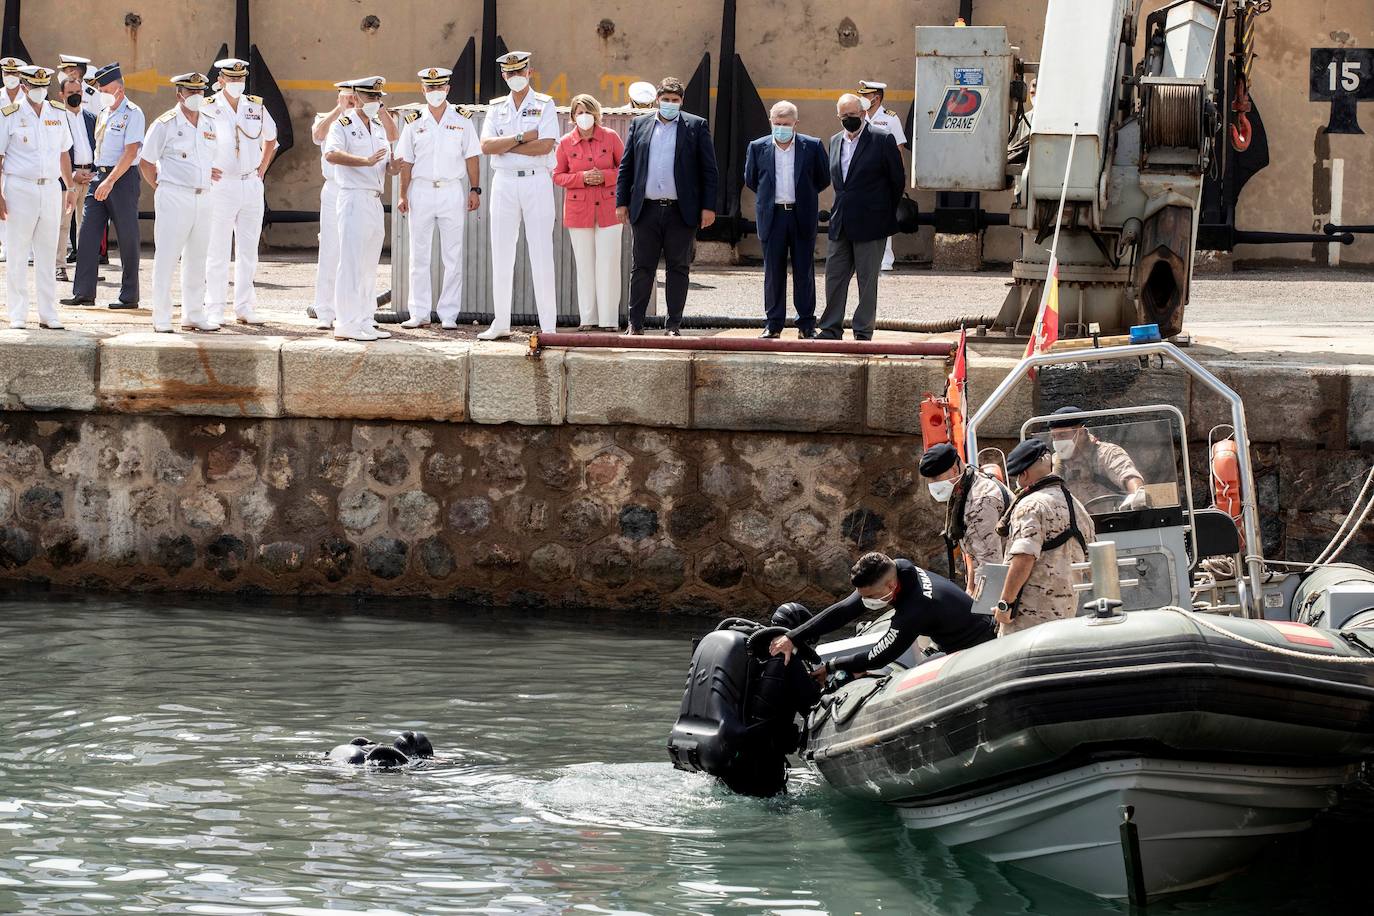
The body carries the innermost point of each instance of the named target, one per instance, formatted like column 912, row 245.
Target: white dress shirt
column 785, row 173
column 242, row 133
column 183, row 152
column 847, row 146
column 81, row 144
column 439, row 150
column 349, row 135
column 32, row 143
column 537, row 111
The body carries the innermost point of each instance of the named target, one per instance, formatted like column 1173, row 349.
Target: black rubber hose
column 723, row 322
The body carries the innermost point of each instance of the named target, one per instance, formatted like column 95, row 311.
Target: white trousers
column 597, row 252
column 888, row 259
column 515, row 199
column 361, row 231
column 328, row 268
column 35, row 212
column 445, row 207
column 237, row 226
column 181, row 229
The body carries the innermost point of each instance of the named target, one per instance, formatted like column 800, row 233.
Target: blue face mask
column 669, row 110
column 782, row 133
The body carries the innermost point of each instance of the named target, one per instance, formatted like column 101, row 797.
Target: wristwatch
column 1003, row 606
column 476, row 189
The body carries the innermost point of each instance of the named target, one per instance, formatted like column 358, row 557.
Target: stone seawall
column 688, row 482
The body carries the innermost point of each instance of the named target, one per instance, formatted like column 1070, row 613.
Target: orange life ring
column 1226, row 478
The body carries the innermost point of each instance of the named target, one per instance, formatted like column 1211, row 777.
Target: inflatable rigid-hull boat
column 1211, row 735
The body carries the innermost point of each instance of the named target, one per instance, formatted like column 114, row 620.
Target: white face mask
column 586, row 121
column 106, row 101
column 1064, row 448
column 436, row 97
column 875, row 604
column 518, row 83
column 38, row 96
column 193, row 102
column 941, row 490
column 233, row 90
column 370, row 109
column 11, row 82
column 867, row 101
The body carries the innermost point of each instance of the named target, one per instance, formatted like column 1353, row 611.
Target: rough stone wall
column 687, row 521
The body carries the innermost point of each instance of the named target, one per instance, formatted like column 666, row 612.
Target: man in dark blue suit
column 787, row 171
column 665, row 189
column 866, row 170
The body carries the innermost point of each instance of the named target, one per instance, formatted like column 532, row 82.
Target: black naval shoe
column 770, row 335
column 633, row 331
column 77, row 300
column 120, row 304
column 672, row 332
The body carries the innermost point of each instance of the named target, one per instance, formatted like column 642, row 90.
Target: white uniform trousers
column 597, row 252
column 238, row 208
column 181, row 229
column 447, row 208
column 516, row 197
column 328, row 268
column 888, row 259
column 35, row 212
column 361, row 231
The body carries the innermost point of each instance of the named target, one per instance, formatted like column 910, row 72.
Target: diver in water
column 924, row 604
column 408, row 746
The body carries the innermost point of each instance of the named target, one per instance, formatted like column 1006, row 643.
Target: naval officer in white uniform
column 438, row 147
column 74, row 66
column 178, row 162
column 246, row 142
column 871, row 95
column 519, row 134
column 327, row 265
column 35, row 144
column 360, row 151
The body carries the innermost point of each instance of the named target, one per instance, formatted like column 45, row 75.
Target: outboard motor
column 738, row 715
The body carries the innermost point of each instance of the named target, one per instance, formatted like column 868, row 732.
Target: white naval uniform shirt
column 241, row 134
column 348, row 135
column 439, row 150
column 32, row 143
column 537, row 112
column 183, row 152
column 326, row 169
column 889, row 121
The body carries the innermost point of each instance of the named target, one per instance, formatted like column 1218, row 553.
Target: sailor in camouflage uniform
column 1047, row 530
column 975, row 503
column 1092, row 468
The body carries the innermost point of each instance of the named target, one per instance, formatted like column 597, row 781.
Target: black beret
column 1025, row 455
column 1068, row 421
column 938, row 459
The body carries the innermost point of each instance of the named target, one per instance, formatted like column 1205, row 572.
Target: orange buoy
column 1226, row 479
column 935, row 421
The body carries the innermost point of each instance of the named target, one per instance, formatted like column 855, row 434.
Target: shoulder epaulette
column 410, row 115
column 345, row 120
column 167, row 116
column 58, row 105
column 542, row 97
column 255, row 99
column 464, row 110
column 498, row 101
column 9, row 110
column 890, row 111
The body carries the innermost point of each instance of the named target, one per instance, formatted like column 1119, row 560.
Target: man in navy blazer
column 665, row 189
column 866, row 170
column 787, row 171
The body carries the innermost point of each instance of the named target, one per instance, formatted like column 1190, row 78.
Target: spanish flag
column 956, row 393
column 1046, row 330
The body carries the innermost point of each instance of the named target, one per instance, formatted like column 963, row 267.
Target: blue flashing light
column 1145, row 333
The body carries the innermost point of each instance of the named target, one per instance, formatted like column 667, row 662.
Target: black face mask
column 852, row 122
column 74, row 100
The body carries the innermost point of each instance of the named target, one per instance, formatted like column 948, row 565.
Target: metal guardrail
column 477, row 285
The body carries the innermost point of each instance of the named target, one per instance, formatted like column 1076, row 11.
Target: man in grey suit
column 866, row 171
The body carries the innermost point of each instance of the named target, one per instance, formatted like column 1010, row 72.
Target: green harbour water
column 167, row 756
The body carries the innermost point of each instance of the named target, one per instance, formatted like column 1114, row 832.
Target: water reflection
column 166, row 757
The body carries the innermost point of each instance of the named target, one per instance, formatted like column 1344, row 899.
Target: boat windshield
column 1106, row 458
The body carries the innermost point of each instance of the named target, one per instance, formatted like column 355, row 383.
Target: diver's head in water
column 414, row 744
column 791, row 615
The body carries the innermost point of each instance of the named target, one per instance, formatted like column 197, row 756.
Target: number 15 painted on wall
column 1343, row 77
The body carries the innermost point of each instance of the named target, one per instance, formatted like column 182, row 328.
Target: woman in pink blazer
column 588, row 158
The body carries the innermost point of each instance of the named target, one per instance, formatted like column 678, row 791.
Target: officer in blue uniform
column 113, row 194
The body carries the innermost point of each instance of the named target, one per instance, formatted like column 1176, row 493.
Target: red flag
column 956, row 392
column 1046, row 330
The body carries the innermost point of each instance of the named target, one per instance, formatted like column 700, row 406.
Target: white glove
column 1137, row 500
